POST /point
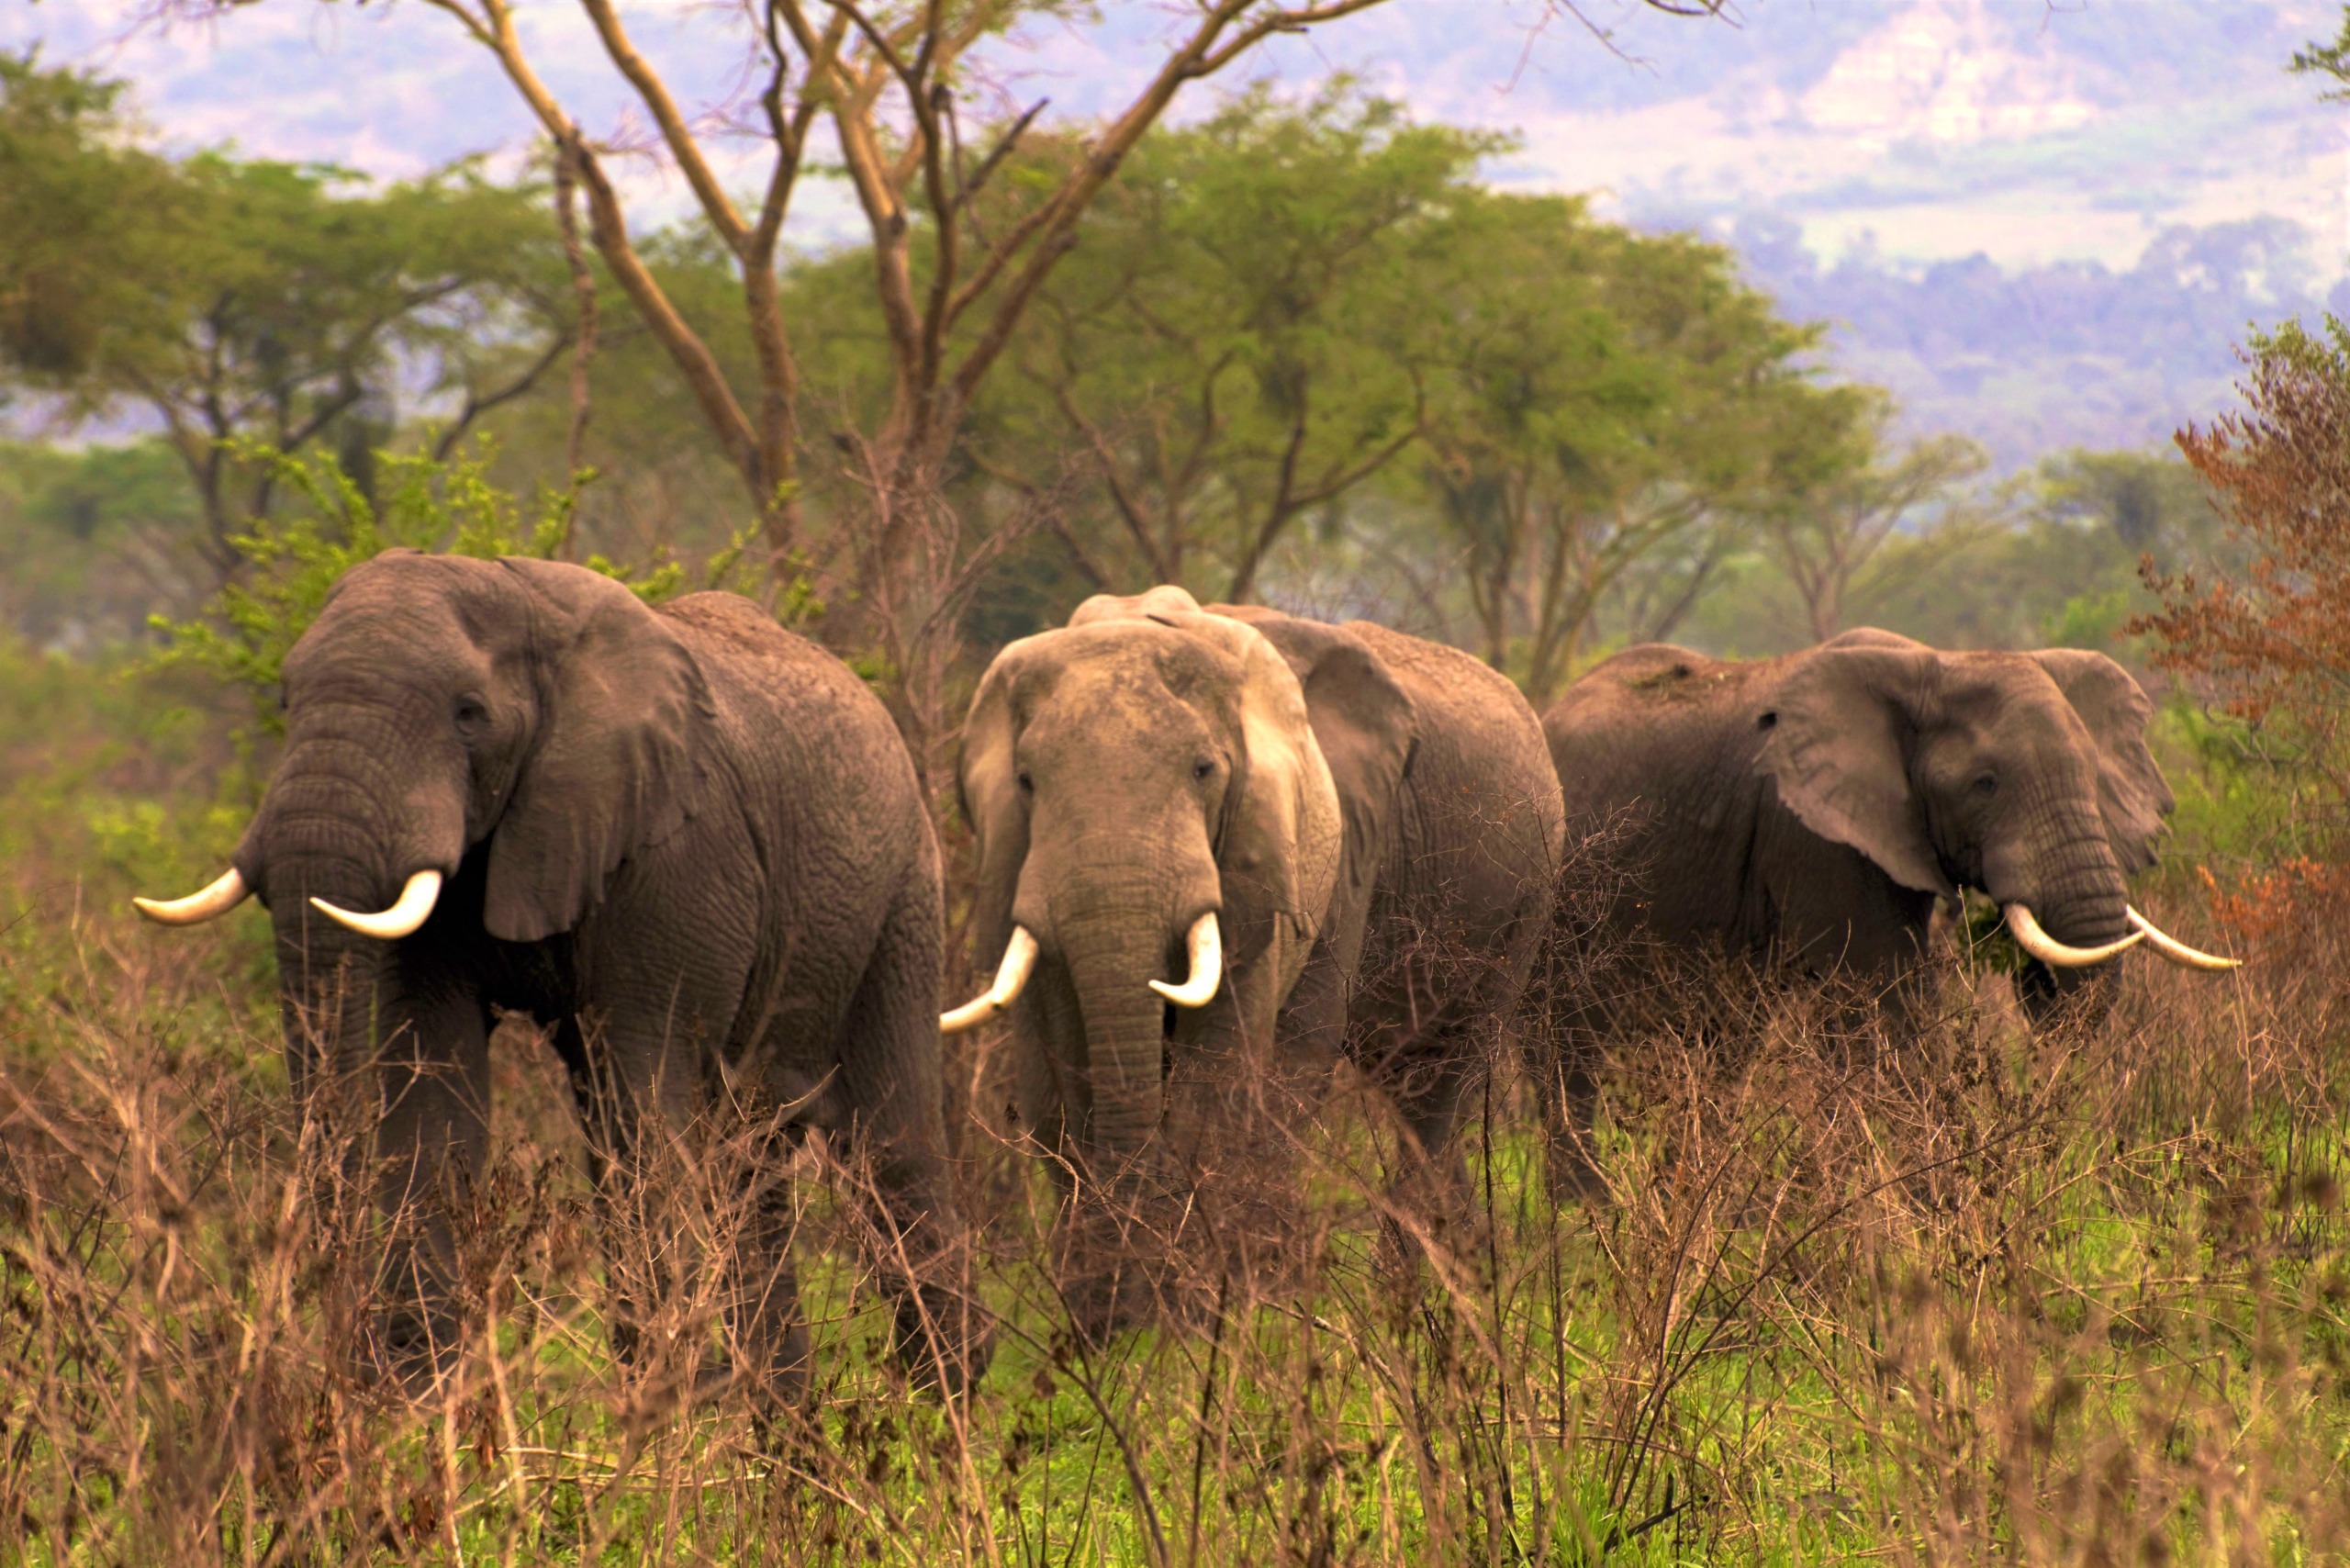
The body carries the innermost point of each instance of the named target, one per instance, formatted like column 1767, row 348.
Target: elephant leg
column 429, row 1141
column 892, row 1084
column 1429, row 1069
column 766, row 1328
column 632, row 1115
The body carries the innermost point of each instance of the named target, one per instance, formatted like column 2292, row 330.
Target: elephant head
column 529, row 721
column 1160, row 837
column 2025, row 775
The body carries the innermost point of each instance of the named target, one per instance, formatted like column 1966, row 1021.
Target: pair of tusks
column 410, row 910
column 1204, row 943
column 2035, row 941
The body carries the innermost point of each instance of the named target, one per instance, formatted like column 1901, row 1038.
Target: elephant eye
column 1027, row 785
column 1202, row 768
column 1987, row 785
column 1767, row 721
column 470, row 711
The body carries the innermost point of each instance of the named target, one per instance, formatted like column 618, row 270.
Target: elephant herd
column 1211, row 843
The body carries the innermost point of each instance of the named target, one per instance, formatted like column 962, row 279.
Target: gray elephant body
column 1460, row 903
column 1810, row 810
column 689, row 841
column 1372, row 818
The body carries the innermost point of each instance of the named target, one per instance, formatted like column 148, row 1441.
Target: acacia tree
column 1829, row 539
column 889, row 83
column 1615, row 398
column 1242, row 337
column 250, row 301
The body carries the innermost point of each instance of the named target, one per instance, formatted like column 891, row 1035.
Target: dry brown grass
column 2072, row 1297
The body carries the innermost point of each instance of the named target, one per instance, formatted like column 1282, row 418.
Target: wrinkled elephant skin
column 1346, row 801
column 689, row 841
column 1813, row 808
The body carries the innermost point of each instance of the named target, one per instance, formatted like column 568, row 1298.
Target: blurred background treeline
column 1298, row 352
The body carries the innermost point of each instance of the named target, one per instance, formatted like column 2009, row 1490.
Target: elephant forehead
column 1128, row 661
column 384, row 628
column 2009, row 692
column 431, row 600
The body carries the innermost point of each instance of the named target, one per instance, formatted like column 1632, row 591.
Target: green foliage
column 2328, row 60
column 91, row 540
column 294, row 560
column 1615, row 406
column 247, row 301
column 2088, row 621
column 1243, row 335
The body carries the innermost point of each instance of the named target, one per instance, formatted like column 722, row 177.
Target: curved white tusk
column 1019, row 962
column 223, row 894
column 1207, row 944
column 415, row 906
column 2049, row 951
column 2177, row 951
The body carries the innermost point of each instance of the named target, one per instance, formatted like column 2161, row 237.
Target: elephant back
column 1482, row 787
column 1461, row 828
column 1655, row 761
column 1647, row 721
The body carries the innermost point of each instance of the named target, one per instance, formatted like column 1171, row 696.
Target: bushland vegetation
column 2078, row 1294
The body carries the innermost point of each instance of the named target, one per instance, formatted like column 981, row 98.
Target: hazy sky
column 2028, row 129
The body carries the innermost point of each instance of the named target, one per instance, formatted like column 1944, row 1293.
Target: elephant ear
column 1836, row 739
column 2115, row 708
column 623, row 711
column 990, row 791
column 1368, row 728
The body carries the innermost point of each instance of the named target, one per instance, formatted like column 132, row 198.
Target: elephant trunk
column 349, row 831
column 1113, row 953
column 2083, row 899
column 2066, row 873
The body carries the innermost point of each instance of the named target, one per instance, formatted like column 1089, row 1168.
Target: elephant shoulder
column 728, row 631
column 778, row 685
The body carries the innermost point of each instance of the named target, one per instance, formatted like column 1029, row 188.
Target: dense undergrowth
column 2079, row 1296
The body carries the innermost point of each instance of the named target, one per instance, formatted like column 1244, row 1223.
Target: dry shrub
column 2076, row 1296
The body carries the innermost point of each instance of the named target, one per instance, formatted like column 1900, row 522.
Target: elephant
column 687, row 840
column 1212, row 838
column 1814, row 808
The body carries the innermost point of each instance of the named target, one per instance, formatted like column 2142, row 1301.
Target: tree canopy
column 242, row 299
column 1297, row 349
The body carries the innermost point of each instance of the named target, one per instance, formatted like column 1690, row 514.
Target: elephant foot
column 1104, row 1303
column 944, row 1339
column 415, row 1348
column 1574, row 1177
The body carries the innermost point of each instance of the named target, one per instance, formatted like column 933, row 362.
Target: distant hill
column 2032, row 359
